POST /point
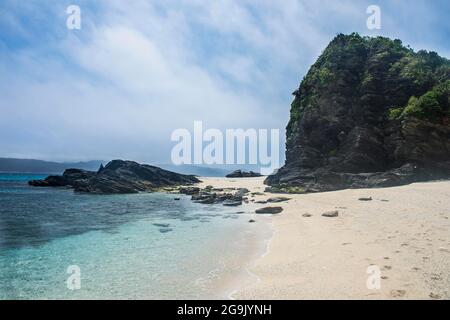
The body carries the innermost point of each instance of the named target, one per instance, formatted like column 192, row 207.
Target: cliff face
column 369, row 113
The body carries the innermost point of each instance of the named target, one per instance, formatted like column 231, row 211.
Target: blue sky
column 139, row 69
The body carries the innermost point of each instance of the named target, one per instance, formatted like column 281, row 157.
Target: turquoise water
column 142, row 246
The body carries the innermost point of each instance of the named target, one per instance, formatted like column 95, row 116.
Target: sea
column 58, row 244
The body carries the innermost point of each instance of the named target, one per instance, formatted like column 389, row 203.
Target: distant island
column 40, row 166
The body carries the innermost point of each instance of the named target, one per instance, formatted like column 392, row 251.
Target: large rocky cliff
column 369, row 113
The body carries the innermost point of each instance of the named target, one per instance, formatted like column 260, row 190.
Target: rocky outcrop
column 243, row 174
column 369, row 113
column 209, row 195
column 118, row 176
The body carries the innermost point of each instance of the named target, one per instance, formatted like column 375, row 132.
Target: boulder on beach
column 269, row 210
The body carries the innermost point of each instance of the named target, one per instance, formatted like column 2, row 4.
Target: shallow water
column 141, row 246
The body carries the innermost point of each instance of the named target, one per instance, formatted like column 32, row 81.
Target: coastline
column 403, row 231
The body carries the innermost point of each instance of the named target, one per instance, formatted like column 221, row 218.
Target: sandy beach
column 404, row 231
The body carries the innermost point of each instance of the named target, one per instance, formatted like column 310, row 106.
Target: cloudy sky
column 139, row 69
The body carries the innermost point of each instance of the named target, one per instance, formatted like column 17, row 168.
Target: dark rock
column 162, row 225
column 365, row 199
column 307, row 215
column 118, row 176
column 242, row 192
column 278, row 199
column 232, row 203
column 251, row 221
column 189, row 190
column 261, row 202
column 257, row 193
column 243, row 174
column 356, row 124
column 331, row 214
column 269, row 210
column 177, row 199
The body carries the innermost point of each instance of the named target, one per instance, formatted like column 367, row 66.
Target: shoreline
column 403, row 231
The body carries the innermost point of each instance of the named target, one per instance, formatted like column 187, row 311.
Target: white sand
column 408, row 237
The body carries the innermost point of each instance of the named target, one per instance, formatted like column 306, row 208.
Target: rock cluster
column 210, row 195
column 117, row 177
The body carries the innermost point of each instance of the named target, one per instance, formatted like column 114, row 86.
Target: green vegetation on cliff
column 379, row 73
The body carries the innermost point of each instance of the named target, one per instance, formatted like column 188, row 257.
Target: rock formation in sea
column 369, row 113
column 243, row 174
column 117, row 176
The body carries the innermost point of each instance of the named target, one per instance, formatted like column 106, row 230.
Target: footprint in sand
column 398, row 293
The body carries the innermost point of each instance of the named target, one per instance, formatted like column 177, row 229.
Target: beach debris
column 269, row 210
column 307, row 215
column 331, row 214
column 365, row 199
column 278, row 199
column 398, row 293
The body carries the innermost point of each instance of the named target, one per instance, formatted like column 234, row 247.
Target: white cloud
column 138, row 70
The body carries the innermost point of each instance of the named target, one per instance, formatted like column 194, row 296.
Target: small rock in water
column 434, row 296
column 162, row 225
column 269, row 210
column 365, row 199
column 165, row 230
column 177, row 199
column 251, row 221
column 278, row 199
column 240, row 212
column 331, row 214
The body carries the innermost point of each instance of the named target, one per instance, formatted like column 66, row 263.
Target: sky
column 138, row 70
